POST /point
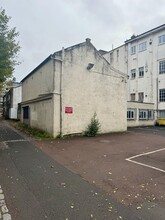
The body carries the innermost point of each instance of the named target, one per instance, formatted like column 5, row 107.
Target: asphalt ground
column 102, row 161
column 37, row 187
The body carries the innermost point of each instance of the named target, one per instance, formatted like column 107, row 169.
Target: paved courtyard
column 113, row 176
column 129, row 166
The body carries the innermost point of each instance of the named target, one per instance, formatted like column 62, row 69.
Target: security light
column 90, row 66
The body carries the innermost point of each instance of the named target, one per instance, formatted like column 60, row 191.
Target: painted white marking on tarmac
column 4, row 215
column 130, row 159
column 5, row 144
column 11, row 141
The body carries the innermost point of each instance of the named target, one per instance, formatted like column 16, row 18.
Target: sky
column 45, row 26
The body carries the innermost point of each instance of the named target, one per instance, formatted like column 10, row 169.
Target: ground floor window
column 146, row 114
column 161, row 113
column 26, row 112
column 131, row 114
column 150, row 114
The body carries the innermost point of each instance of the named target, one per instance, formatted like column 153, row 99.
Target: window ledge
column 142, row 50
column 161, row 44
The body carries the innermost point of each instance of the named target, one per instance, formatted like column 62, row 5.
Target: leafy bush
column 93, row 128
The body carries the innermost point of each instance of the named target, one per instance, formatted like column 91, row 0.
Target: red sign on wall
column 68, row 110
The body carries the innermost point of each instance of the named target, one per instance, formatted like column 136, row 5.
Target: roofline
column 49, row 58
column 69, row 48
column 88, row 42
column 146, row 33
column 38, row 67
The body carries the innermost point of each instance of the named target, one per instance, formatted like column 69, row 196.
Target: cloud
column 47, row 26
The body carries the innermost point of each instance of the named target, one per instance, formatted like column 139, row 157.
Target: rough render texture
column 41, row 82
column 100, row 90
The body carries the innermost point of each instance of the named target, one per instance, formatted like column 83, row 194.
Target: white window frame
column 146, row 114
column 131, row 114
column 143, row 114
column 162, row 67
column 133, row 73
column 143, row 46
column 141, row 71
column 161, row 39
column 133, row 50
column 161, row 95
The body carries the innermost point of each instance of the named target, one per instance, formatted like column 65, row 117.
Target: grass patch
column 33, row 132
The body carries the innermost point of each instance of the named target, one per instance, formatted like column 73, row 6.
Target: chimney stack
column 88, row 40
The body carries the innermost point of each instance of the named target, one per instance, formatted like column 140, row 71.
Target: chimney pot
column 88, row 40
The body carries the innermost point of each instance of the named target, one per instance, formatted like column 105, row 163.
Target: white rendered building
column 62, row 94
column 142, row 57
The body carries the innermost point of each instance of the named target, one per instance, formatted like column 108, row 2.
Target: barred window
column 162, row 67
column 162, row 95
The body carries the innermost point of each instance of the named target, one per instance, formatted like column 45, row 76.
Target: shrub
column 93, row 128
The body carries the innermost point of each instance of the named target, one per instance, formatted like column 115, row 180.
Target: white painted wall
column 41, row 115
column 39, row 83
column 149, row 59
column 118, row 58
column 100, row 90
column 16, row 98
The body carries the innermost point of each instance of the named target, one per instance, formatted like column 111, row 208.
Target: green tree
column 9, row 47
column 94, row 127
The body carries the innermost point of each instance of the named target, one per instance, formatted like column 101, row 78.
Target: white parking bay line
column 130, row 159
